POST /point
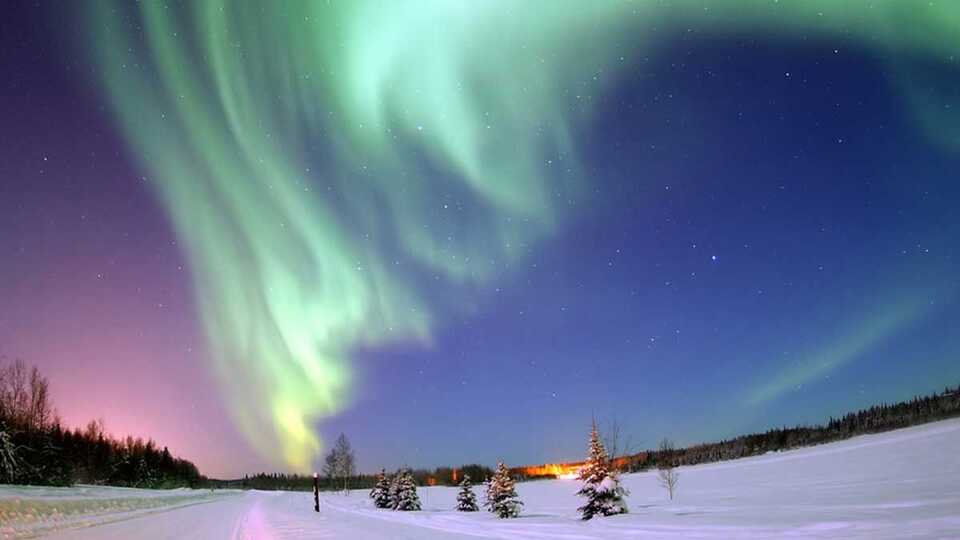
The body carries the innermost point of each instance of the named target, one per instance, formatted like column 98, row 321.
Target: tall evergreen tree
column 601, row 486
column 407, row 498
column 381, row 491
column 466, row 500
column 502, row 495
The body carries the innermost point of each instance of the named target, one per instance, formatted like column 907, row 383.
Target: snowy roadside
column 28, row 511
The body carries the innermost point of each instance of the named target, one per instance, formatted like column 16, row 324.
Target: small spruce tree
column 407, row 498
column 381, row 491
column 502, row 496
column 601, row 486
column 489, row 489
column 466, row 500
column 393, row 491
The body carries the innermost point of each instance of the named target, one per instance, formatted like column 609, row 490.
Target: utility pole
column 316, row 492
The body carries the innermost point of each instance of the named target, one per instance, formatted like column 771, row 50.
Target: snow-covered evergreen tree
column 381, row 491
column 407, row 498
column 601, row 486
column 502, row 497
column 9, row 463
column 488, row 494
column 466, row 499
column 393, row 491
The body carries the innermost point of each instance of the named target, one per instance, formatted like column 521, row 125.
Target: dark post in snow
column 316, row 492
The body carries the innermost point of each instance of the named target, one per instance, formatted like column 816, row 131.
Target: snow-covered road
column 254, row 515
column 901, row 484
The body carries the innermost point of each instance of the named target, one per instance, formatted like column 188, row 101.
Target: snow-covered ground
column 902, row 484
column 27, row 511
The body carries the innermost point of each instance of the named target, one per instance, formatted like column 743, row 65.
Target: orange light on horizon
column 564, row 471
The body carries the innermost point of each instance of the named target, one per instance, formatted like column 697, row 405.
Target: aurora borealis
column 290, row 275
column 484, row 222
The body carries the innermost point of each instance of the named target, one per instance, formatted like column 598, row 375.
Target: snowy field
column 902, row 484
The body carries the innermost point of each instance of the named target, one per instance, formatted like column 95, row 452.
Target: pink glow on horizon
column 131, row 358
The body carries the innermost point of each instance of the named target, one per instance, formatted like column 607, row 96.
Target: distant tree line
column 274, row 482
column 441, row 476
column 340, row 473
column 36, row 449
column 876, row 419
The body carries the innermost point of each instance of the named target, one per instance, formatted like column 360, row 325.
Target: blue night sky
column 763, row 232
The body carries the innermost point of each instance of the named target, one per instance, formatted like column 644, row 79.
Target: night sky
column 458, row 233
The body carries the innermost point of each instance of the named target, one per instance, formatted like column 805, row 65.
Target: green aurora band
column 321, row 161
column 862, row 335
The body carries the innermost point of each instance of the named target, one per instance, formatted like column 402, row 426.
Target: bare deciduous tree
column 95, row 430
column 40, row 414
column 666, row 473
column 617, row 445
column 25, row 396
column 339, row 465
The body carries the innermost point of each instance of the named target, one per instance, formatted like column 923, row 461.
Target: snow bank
column 27, row 511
